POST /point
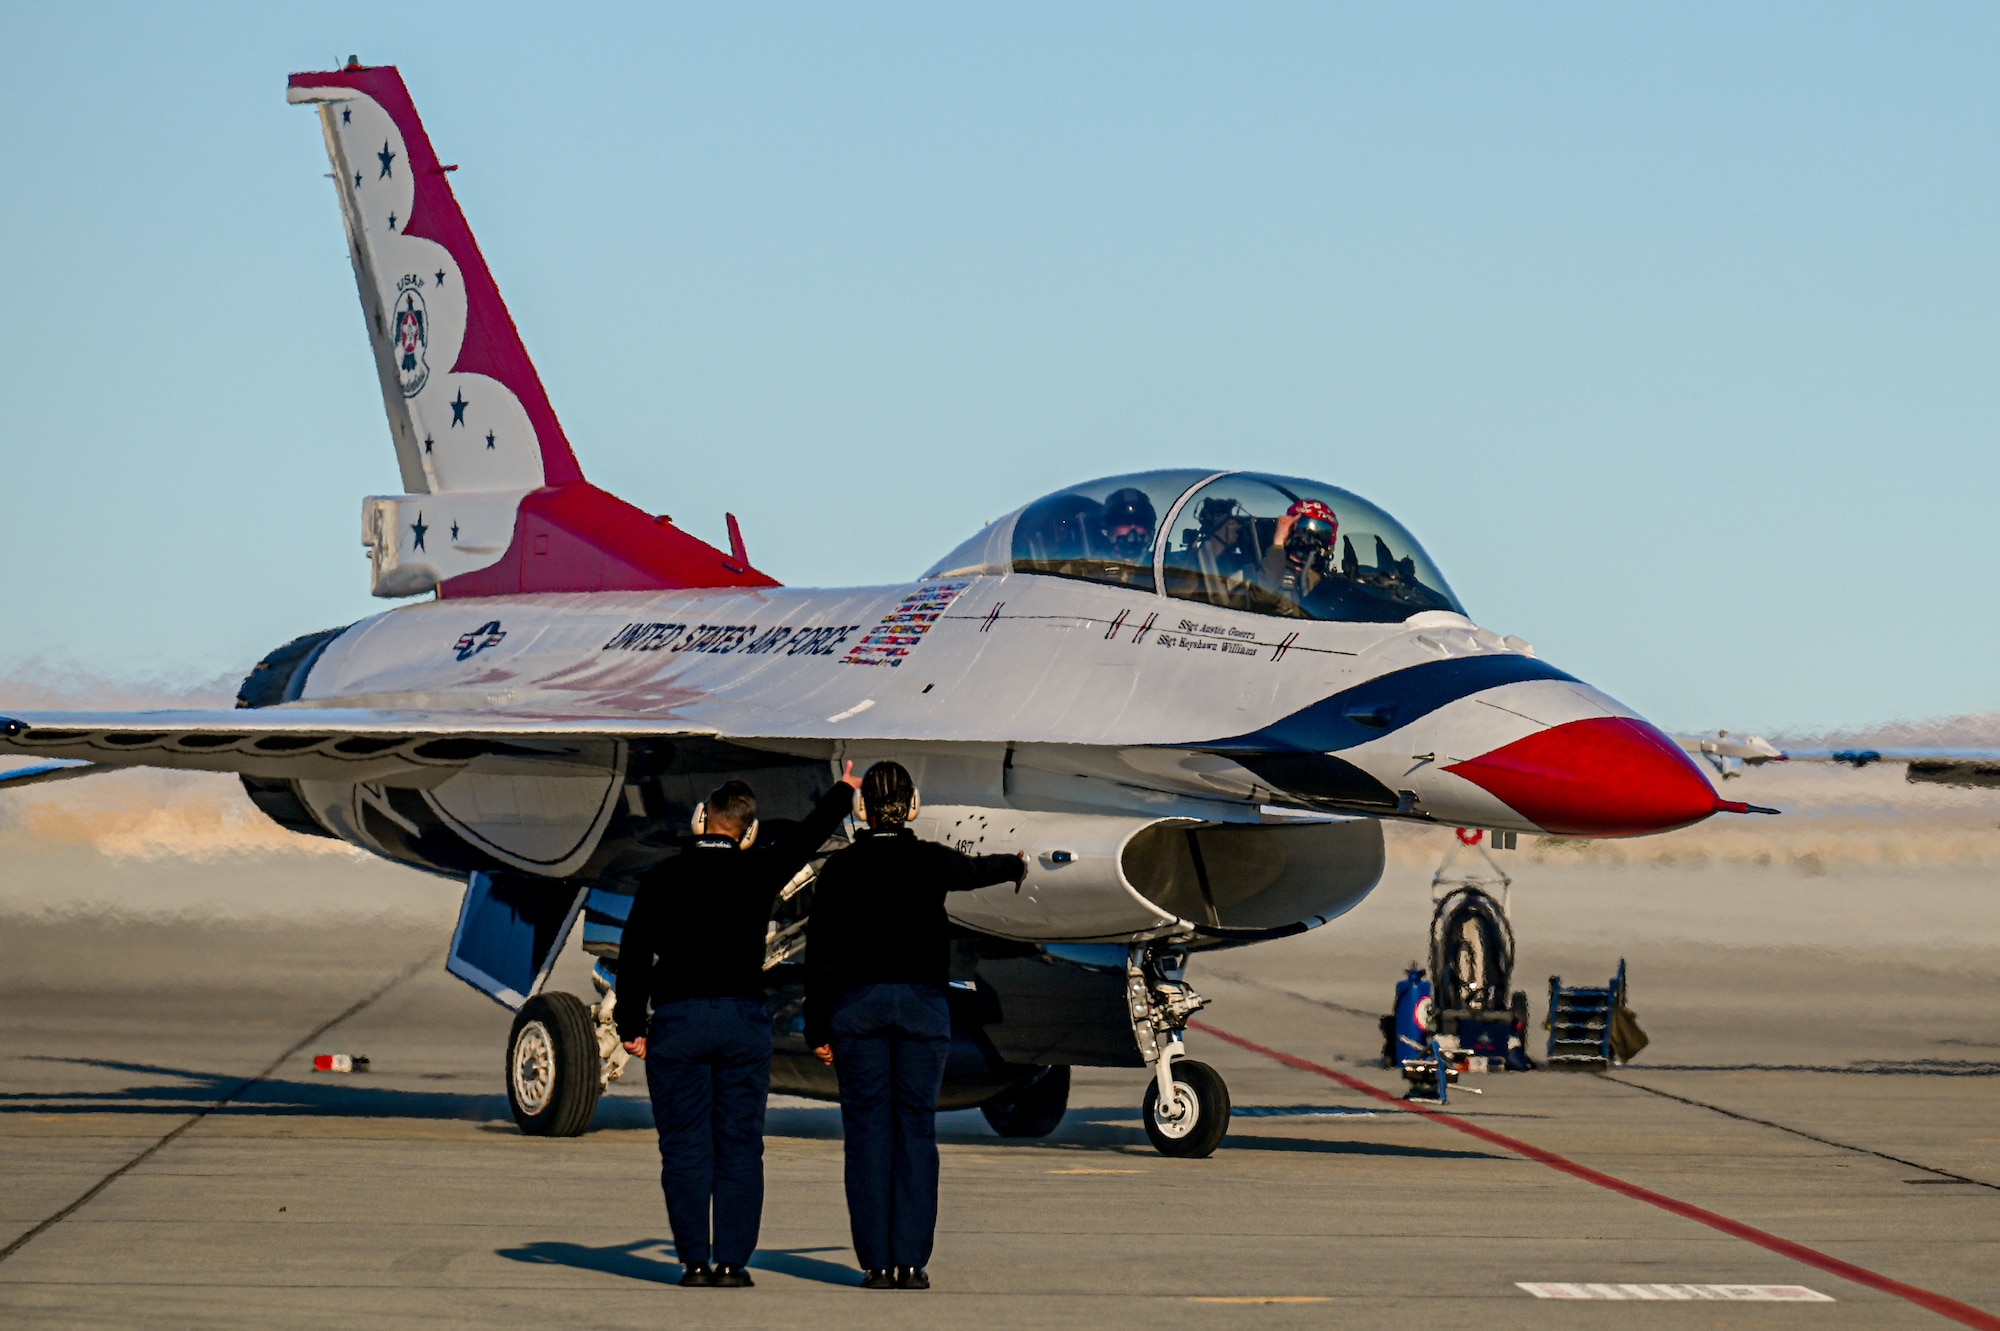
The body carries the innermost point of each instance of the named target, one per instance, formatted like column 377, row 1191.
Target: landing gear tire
column 1033, row 1109
column 1195, row 1132
column 552, row 1066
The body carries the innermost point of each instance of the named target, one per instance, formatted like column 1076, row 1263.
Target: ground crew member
column 878, row 957
column 694, row 946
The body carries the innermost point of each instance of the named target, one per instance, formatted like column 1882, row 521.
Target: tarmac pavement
column 1823, row 1071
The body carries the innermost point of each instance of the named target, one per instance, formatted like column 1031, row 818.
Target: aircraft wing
column 1727, row 752
column 309, row 743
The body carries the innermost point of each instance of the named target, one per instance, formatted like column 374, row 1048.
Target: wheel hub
column 1178, row 1119
column 533, row 1070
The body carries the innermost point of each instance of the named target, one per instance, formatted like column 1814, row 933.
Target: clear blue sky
column 1671, row 332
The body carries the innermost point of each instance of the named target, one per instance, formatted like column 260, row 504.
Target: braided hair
column 886, row 792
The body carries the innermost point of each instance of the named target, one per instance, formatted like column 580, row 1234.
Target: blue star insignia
column 489, row 438
column 346, row 115
column 385, row 157
column 458, row 408
column 427, row 443
column 357, row 180
column 417, row 529
column 440, row 277
column 454, row 531
column 392, row 221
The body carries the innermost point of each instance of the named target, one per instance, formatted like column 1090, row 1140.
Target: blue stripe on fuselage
column 1388, row 702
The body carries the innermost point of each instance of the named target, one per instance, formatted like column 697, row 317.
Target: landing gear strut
column 1186, row 1109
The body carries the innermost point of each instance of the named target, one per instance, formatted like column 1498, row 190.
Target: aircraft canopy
column 1215, row 537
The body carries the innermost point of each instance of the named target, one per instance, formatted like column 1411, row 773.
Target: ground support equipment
column 1592, row 1028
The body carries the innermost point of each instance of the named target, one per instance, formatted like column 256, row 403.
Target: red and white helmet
column 1314, row 519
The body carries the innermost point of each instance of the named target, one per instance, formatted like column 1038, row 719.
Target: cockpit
column 1270, row 545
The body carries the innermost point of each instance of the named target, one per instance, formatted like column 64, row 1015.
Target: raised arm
column 803, row 842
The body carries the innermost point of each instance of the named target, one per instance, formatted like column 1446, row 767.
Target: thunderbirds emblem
column 477, row 641
column 411, row 336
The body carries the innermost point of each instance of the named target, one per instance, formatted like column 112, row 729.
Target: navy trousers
column 889, row 1048
column 708, row 1067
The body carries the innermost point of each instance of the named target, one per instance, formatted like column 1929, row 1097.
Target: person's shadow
column 654, row 1260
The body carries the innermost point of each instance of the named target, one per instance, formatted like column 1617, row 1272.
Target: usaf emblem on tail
column 411, row 336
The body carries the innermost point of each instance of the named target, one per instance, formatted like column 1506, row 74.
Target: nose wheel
column 1187, row 1106
column 1195, row 1122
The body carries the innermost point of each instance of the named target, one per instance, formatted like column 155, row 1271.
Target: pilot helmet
column 1313, row 529
column 1128, row 523
column 1214, row 514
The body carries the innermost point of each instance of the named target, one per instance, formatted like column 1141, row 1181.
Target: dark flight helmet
column 1129, row 520
column 1215, row 513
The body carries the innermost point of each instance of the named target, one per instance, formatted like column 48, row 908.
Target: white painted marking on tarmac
column 1677, row 1293
column 855, row 710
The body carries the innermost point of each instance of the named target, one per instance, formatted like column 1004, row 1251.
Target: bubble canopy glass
column 1219, row 538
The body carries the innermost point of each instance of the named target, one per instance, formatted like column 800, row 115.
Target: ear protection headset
column 700, row 825
column 861, row 807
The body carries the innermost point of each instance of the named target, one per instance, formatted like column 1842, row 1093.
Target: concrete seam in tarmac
column 408, row 973
column 1801, row 1132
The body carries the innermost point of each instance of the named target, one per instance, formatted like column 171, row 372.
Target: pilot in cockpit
column 1301, row 554
column 1222, row 550
column 1129, row 520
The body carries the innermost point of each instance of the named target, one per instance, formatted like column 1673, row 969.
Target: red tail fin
column 476, row 437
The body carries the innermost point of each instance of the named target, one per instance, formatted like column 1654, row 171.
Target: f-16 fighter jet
column 1190, row 697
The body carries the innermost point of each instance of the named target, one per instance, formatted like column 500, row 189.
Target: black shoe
column 697, row 1276
column 912, row 1277
column 879, row 1278
column 728, row 1275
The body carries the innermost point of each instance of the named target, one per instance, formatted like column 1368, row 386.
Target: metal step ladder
column 1580, row 1022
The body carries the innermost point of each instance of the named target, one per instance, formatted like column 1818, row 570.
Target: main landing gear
column 1186, row 1109
column 561, row 1055
column 1032, row 1110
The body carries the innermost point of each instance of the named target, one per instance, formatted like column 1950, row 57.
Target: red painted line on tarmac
column 1963, row 1313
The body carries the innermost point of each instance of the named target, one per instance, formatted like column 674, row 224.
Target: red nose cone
column 1608, row 776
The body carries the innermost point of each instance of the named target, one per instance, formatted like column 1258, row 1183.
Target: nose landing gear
column 1186, row 1109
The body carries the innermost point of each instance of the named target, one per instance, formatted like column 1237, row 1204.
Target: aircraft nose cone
column 1604, row 777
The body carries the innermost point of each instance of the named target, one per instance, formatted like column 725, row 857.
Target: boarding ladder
column 1580, row 1022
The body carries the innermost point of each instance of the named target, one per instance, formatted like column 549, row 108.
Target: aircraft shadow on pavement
column 654, row 1260
column 184, row 1090
column 1103, row 1129
column 173, row 1090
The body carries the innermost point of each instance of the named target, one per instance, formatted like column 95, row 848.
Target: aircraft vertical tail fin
column 496, row 502
column 465, row 404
